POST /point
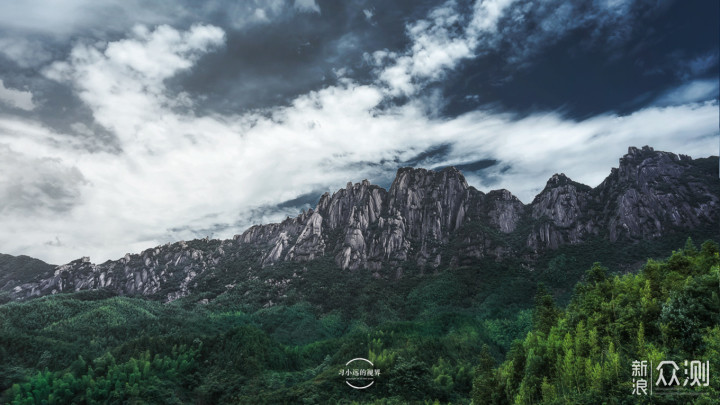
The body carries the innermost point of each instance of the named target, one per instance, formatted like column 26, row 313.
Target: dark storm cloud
column 275, row 50
column 476, row 166
column 545, row 56
column 430, row 156
column 270, row 64
column 257, row 69
column 57, row 106
column 569, row 56
column 32, row 35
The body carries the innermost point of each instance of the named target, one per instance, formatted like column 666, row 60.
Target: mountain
column 15, row 270
column 425, row 221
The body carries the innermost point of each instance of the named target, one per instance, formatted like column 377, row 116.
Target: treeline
column 670, row 310
column 435, row 339
column 141, row 380
column 423, row 333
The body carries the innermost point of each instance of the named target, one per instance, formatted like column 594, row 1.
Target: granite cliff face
column 427, row 218
column 649, row 195
column 174, row 266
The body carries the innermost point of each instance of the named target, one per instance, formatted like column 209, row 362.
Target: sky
column 127, row 124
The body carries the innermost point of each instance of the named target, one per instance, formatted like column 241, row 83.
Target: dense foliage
column 435, row 337
column 670, row 310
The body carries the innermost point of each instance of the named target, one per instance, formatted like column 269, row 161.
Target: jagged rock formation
column 175, row 265
column 430, row 219
column 559, row 209
column 650, row 194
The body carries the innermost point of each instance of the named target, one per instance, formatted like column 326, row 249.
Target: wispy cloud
column 16, row 98
column 694, row 91
column 307, row 6
column 176, row 172
column 517, row 30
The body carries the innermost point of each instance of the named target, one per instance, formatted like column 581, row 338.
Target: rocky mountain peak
column 557, row 180
column 446, row 178
column 430, row 201
column 634, row 152
column 652, row 190
column 502, row 208
column 643, row 167
column 501, row 195
column 557, row 209
column 427, row 218
column 636, row 156
column 559, row 189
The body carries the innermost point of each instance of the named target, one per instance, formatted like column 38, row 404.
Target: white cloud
column 16, row 98
column 180, row 173
column 446, row 36
column 260, row 15
column 486, row 15
column 368, row 14
column 307, row 6
column 694, row 91
column 123, row 82
column 436, row 47
column 540, row 145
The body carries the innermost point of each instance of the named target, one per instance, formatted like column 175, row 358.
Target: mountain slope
column 16, row 270
column 426, row 220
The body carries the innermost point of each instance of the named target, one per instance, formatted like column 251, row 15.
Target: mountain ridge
column 425, row 219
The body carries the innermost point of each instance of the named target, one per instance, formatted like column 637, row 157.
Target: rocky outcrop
column 558, row 213
column 171, row 267
column 363, row 226
column 427, row 219
column 504, row 210
column 651, row 193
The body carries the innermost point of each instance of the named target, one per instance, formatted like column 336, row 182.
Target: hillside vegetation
column 434, row 337
column 670, row 310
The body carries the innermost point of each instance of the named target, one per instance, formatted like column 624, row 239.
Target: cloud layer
column 176, row 171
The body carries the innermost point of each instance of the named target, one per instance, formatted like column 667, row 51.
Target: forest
column 488, row 333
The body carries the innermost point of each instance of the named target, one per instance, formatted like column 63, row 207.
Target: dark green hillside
column 430, row 336
column 16, row 270
column 670, row 310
